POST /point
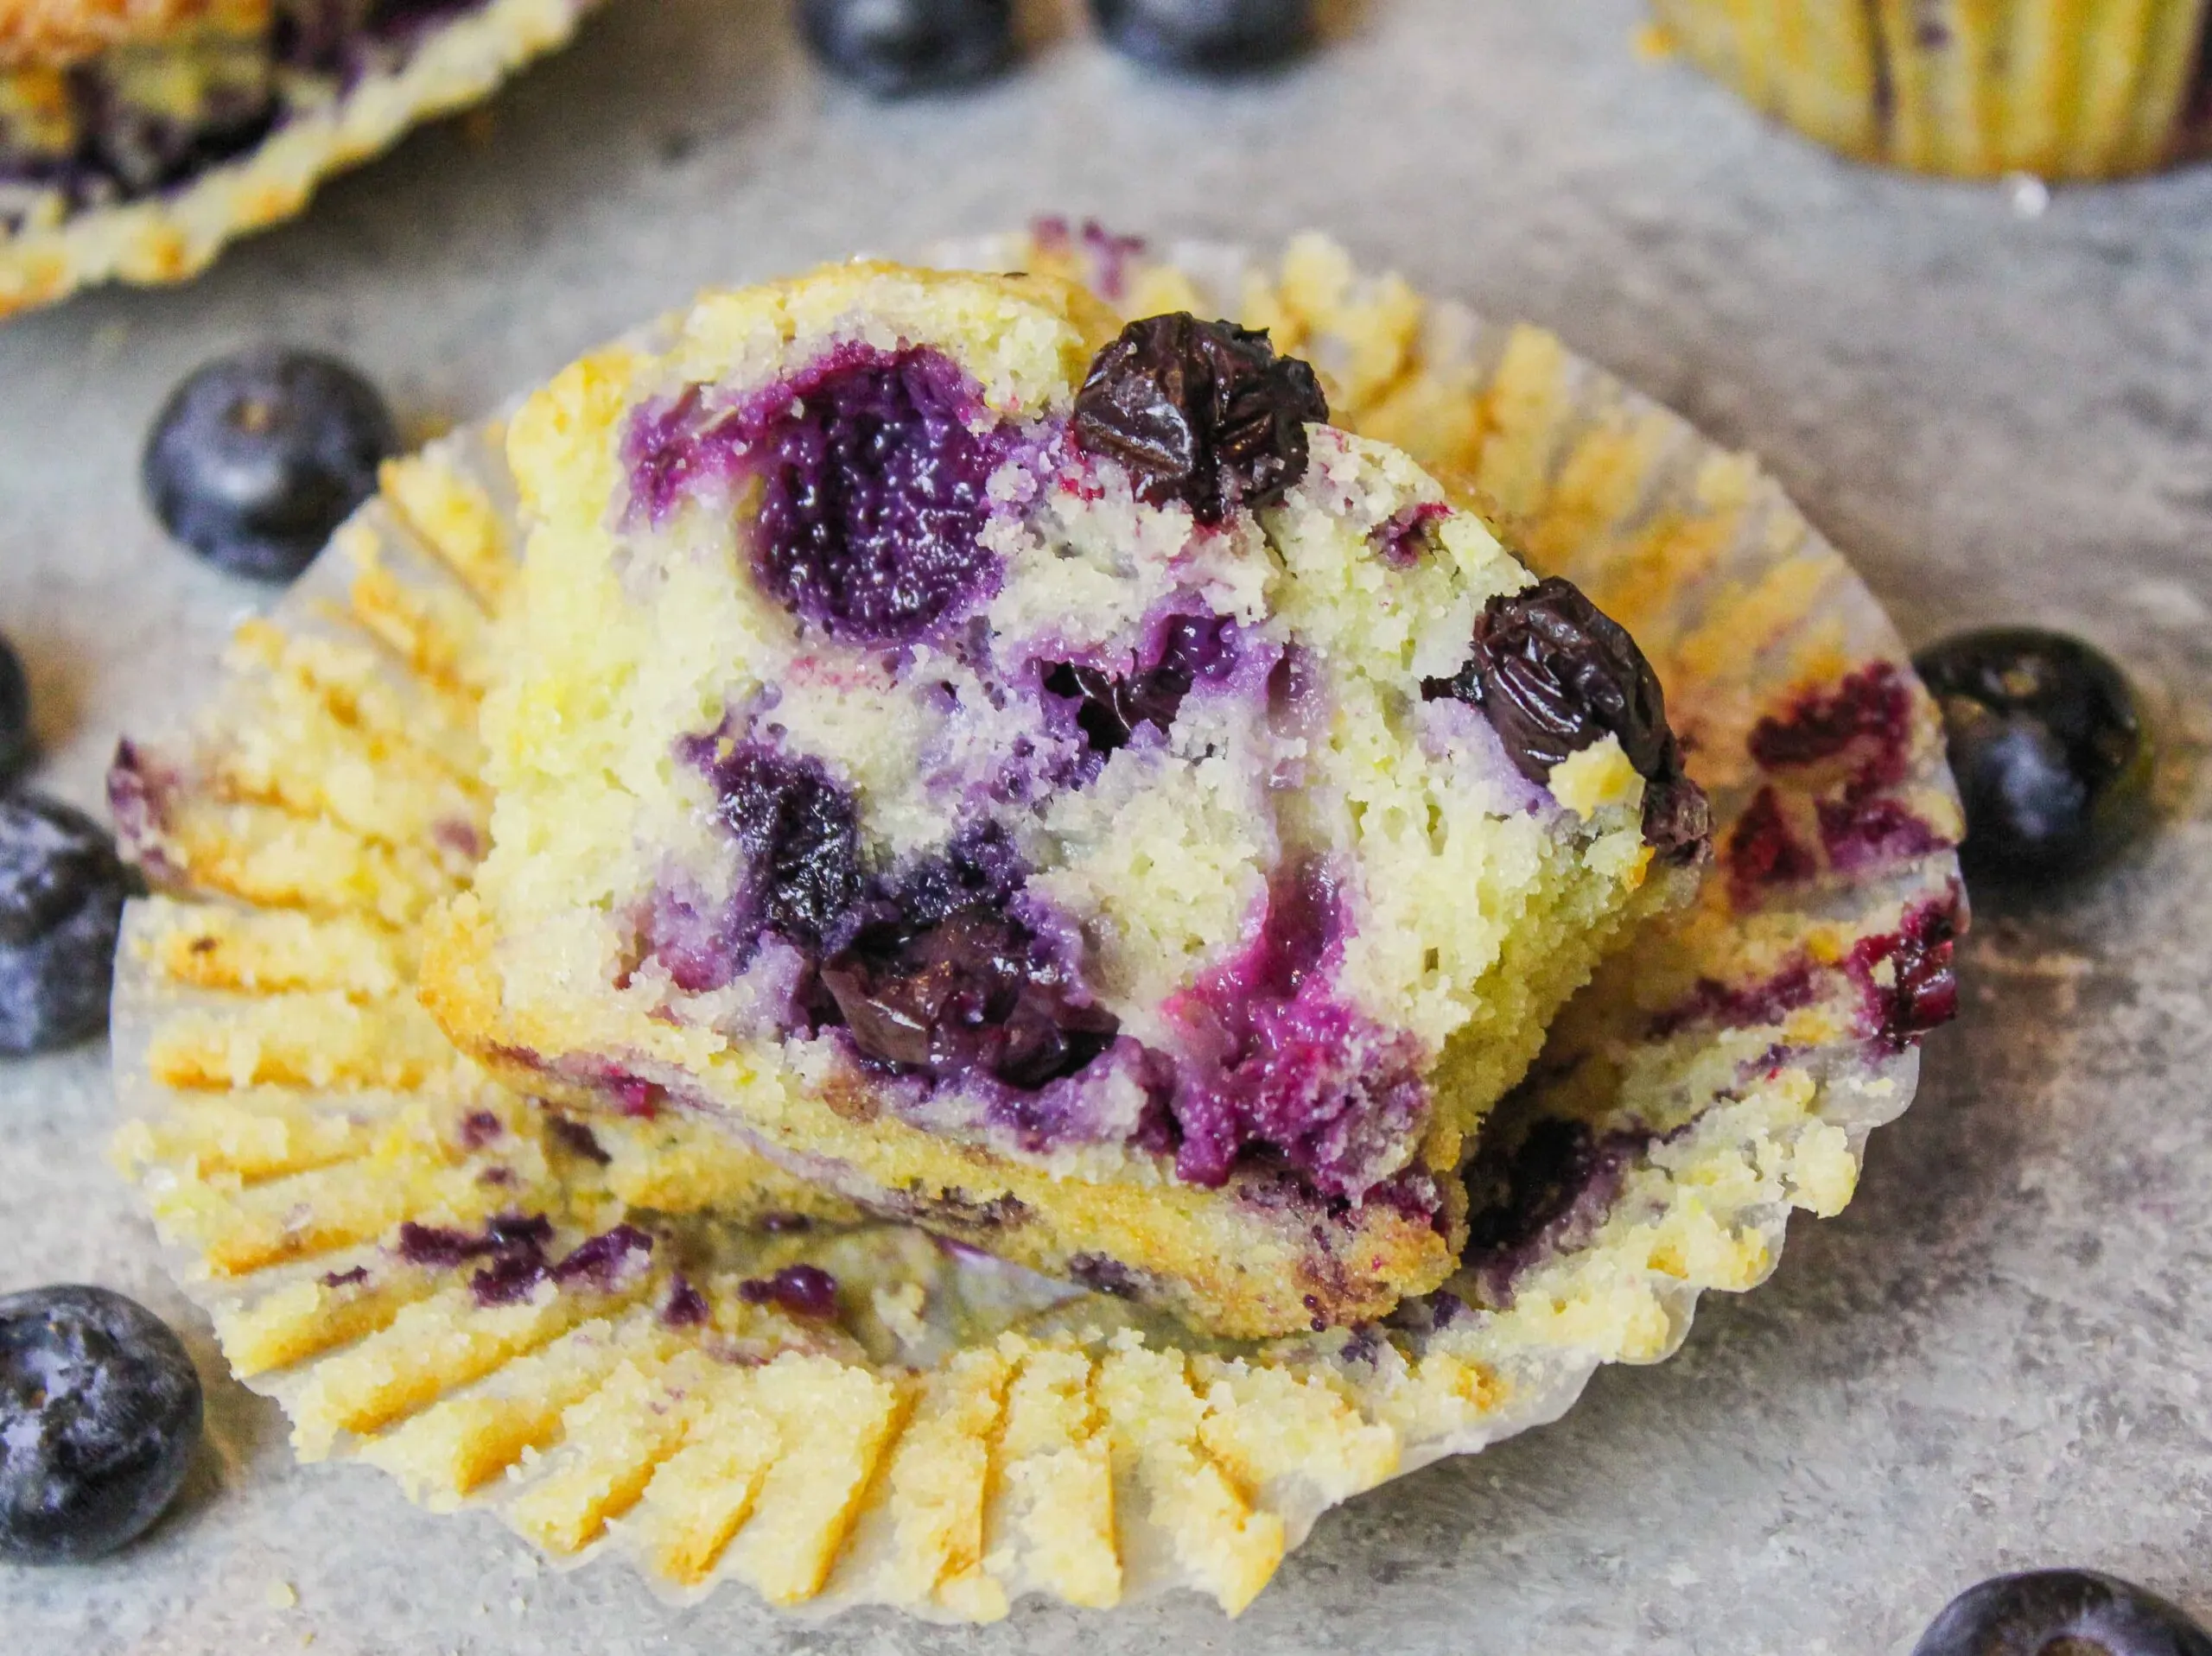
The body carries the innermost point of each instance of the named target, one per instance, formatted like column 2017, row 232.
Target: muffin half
column 1046, row 784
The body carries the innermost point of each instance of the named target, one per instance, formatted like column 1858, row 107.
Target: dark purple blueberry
column 62, row 889
column 2050, row 750
column 17, row 743
column 1110, row 709
column 977, row 992
column 2062, row 1612
column 1201, row 412
column 1210, row 36
column 802, row 1290
column 258, row 457
column 100, row 1413
column 1554, row 676
column 892, row 48
column 875, row 497
column 800, row 834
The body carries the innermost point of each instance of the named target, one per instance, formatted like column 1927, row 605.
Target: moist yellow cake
column 1037, row 778
column 138, row 136
column 1972, row 88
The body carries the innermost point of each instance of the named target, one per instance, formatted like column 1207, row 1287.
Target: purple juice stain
column 1862, row 834
column 801, row 1290
column 479, row 1128
column 353, row 1279
column 686, row 1307
column 577, row 1139
column 1741, row 1006
column 1102, row 1274
column 873, row 486
column 1762, row 851
column 1403, row 541
column 604, row 1262
column 1110, row 709
column 1872, row 706
column 1297, row 1074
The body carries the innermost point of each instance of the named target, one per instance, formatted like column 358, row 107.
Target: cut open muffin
column 1046, row 784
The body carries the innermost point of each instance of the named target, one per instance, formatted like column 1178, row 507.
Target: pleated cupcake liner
column 604, row 1333
column 2061, row 89
column 175, row 233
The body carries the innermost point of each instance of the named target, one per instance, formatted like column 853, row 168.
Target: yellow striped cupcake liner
column 2063, row 89
column 637, row 1338
column 51, row 246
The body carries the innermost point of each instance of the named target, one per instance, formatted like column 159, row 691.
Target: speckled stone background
column 1998, row 1358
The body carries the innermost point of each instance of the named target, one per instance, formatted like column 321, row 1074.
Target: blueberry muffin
column 136, row 136
column 2057, row 88
column 629, row 1334
column 1037, row 778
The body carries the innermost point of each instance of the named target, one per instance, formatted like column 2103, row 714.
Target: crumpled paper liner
column 173, row 235
column 963, row 1433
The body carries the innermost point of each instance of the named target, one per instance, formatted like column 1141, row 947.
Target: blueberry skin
column 258, row 457
column 62, row 889
column 1207, row 36
column 100, row 1410
column 895, row 48
column 2078, row 1611
column 17, row 746
column 2048, row 746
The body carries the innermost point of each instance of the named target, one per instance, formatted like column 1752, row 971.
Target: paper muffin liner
column 603, row 1334
column 175, row 233
column 2075, row 89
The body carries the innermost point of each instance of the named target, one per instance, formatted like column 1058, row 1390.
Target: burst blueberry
column 257, row 458
column 1208, row 37
column 2048, row 746
column 893, row 48
column 100, row 1413
column 2078, row 1612
column 62, row 894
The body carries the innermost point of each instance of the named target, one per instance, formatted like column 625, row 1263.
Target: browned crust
column 52, row 34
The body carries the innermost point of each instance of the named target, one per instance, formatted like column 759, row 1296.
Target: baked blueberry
column 2048, row 746
column 62, row 893
column 1210, row 36
column 100, row 1413
column 892, row 48
column 15, row 743
column 2077, row 1612
column 258, row 457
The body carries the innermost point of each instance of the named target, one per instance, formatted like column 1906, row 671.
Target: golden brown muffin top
column 56, row 32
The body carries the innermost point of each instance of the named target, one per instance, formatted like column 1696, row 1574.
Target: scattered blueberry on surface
column 2048, row 749
column 258, row 457
column 62, row 889
column 15, row 742
column 2075, row 1612
column 100, row 1413
column 1209, row 36
column 894, row 47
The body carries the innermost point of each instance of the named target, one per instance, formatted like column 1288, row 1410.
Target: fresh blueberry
column 892, row 48
column 62, row 893
column 258, row 457
column 15, row 742
column 2047, row 744
column 100, row 1413
column 1209, row 36
column 2073, row 1611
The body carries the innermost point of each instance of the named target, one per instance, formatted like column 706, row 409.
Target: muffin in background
column 2061, row 89
column 139, row 136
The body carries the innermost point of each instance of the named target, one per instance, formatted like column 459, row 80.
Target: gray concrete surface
column 1997, row 1358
